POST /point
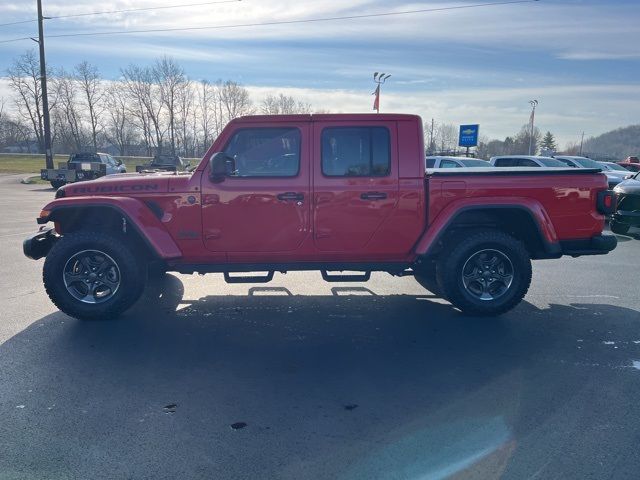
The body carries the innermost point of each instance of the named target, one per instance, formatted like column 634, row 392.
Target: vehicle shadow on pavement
column 286, row 386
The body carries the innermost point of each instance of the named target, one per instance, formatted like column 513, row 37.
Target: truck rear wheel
column 487, row 273
column 92, row 275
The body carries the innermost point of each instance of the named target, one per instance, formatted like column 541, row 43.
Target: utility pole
column 431, row 136
column 43, row 82
column 534, row 104
column 581, row 142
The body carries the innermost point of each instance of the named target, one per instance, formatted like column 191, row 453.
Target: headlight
column 80, row 175
column 44, row 175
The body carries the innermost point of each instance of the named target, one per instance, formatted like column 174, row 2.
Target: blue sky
column 579, row 58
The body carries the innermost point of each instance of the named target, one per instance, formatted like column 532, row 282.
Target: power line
column 17, row 23
column 143, row 9
column 108, row 12
column 280, row 22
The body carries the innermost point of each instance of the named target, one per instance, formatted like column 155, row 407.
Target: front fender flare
column 136, row 213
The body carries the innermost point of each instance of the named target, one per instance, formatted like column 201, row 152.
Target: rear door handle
column 291, row 196
column 373, row 196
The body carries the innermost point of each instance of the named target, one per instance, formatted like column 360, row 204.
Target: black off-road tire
column 132, row 275
column 425, row 275
column 57, row 183
column 450, row 268
column 619, row 228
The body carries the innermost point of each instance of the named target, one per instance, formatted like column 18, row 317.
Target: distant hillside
column 619, row 143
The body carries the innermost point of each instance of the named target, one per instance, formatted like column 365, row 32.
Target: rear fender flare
column 533, row 208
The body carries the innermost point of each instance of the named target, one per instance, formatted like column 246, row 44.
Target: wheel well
column 102, row 219
column 516, row 222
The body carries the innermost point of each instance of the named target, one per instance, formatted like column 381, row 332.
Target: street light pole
column 43, row 83
column 534, row 104
column 379, row 79
column 581, row 142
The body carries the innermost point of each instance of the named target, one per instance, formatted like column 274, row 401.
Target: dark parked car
column 630, row 163
column 169, row 163
column 627, row 212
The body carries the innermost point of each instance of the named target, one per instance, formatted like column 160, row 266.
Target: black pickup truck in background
column 167, row 163
column 82, row 166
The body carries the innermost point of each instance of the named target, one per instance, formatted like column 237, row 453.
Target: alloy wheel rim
column 91, row 276
column 487, row 274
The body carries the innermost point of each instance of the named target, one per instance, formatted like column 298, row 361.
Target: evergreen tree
column 549, row 142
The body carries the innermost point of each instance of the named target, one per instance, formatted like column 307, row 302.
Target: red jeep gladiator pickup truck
column 335, row 193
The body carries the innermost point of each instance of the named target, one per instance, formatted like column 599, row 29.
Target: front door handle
column 373, row 196
column 291, row 196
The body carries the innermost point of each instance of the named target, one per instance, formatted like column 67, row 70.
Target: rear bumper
column 597, row 245
column 38, row 245
column 627, row 216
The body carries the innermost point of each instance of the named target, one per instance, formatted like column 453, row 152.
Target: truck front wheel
column 57, row 183
column 487, row 273
column 619, row 228
column 92, row 275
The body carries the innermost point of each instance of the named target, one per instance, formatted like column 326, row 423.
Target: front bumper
column 597, row 245
column 38, row 245
column 630, row 217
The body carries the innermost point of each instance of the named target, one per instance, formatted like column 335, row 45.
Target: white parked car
column 438, row 161
column 526, row 161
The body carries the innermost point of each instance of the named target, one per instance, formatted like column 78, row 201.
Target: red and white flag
column 376, row 102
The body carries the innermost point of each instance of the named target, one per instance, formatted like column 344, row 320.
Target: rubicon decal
column 114, row 188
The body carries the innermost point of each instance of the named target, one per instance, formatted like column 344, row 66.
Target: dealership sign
column 469, row 135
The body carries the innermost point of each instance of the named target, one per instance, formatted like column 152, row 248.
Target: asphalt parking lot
column 302, row 379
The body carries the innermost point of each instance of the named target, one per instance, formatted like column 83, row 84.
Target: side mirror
column 219, row 166
column 118, row 162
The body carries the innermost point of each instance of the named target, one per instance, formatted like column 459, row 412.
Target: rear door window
column 527, row 162
column 356, row 152
column 505, row 162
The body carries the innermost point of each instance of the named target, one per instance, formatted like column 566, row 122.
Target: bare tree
column 119, row 130
column 209, row 112
column 67, row 117
column 89, row 81
column 283, row 104
column 24, row 80
column 170, row 78
column 234, row 100
column 446, row 137
column 146, row 104
column 184, row 118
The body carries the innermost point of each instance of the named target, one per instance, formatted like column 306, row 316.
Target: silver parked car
column 439, row 161
column 526, row 161
column 613, row 177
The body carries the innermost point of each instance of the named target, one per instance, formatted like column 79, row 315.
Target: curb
column 27, row 180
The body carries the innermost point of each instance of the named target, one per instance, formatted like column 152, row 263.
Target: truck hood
column 628, row 187
column 125, row 184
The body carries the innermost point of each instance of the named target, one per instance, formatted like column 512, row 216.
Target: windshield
column 551, row 162
column 613, row 166
column 470, row 162
column 587, row 163
column 84, row 157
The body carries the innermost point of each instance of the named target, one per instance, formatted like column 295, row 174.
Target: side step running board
column 345, row 278
column 248, row 279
